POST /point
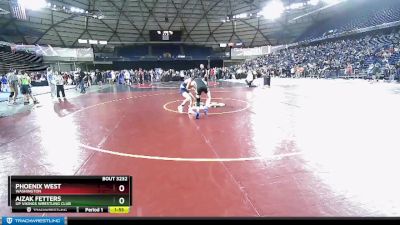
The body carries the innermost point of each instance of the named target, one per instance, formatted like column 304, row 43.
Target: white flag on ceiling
column 18, row 11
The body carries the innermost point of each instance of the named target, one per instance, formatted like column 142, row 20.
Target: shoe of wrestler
column 197, row 115
column 190, row 111
column 205, row 110
column 180, row 109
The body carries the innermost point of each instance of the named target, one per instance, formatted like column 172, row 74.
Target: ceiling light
column 298, row 5
column 313, row 2
column 273, row 10
column 333, row 2
column 32, row 4
column 240, row 16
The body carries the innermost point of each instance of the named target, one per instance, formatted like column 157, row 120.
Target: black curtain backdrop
column 165, row 65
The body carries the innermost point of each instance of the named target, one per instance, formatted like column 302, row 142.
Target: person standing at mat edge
column 203, row 73
column 59, row 80
column 50, row 81
column 200, row 86
column 99, row 78
column 26, row 89
column 82, row 76
column 13, row 84
column 3, row 84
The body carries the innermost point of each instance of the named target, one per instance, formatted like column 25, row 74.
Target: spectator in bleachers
column 398, row 71
column 349, row 70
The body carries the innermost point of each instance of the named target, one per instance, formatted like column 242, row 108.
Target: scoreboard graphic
column 70, row 194
column 165, row 35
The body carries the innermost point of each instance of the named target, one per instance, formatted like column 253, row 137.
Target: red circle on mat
column 140, row 128
column 231, row 106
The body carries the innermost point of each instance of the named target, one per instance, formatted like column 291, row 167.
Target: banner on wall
column 244, row 53
column 58, row 54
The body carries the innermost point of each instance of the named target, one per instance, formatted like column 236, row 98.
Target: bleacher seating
column 378, row 50
column 360, row 15
column 198, row 52
column 161, row 50
column 133, row 52
column 20, row 61
column 164, row 51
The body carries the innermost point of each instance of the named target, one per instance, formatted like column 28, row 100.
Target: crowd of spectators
column 369, row 55
column 366, row 56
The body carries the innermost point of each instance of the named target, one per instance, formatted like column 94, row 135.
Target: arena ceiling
column 129, row 21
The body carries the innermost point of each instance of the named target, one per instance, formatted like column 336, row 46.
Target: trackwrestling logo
column 33, row 220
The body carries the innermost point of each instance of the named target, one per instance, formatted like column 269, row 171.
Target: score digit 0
column 121, row 200
column 121, row 188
